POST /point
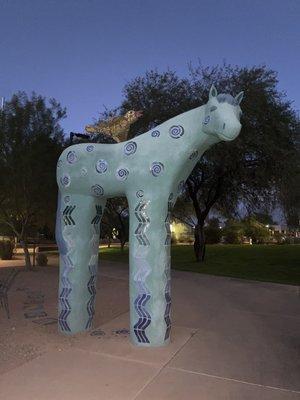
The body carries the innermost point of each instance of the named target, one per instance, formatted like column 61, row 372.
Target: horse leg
column 77, row 235
column 150, row 298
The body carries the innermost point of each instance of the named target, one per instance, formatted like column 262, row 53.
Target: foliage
column 41, row 259
column 234, row 232
column 290, row 197
column 264, row 218
column 115, row 220
column 31, row 140
column 6, row 249
column 257, row 231
column 212, row 231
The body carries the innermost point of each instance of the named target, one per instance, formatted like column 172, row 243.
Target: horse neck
column 195, row 138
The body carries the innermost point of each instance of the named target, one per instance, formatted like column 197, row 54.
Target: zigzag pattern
column 144, row 221
column 167, row 223
column 143, row 270
column 144, row 317
column 96, row 220
column 64, row 294
column 167, row 271
column 65, row 307
column 92, row 290
column 168, row 308
column 67, row 217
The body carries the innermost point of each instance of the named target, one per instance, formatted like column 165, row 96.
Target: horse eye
column 213, row 108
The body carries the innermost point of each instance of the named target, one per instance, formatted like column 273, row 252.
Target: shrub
column 41, row 260
column 234, row 232
column 6, row 250
column 212, row 235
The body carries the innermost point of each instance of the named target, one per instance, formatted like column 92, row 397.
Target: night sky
column 82, row 52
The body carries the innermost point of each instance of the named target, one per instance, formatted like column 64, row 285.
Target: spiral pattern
column 157, row 168
column 59, row 163
column 193, row 155
column 71, row 157
column 67, row 199
column 97, row 190
column 122, row 174
column 101, row 166
column 65, row 180
column 155, row 133
column 130, row 148
column 90, row 148
column 140, row 193
column 176, row 131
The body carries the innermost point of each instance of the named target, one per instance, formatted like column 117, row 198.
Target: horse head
column 222, row 115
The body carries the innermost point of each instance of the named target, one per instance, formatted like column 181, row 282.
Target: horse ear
column 239, row 97
column 213, row 92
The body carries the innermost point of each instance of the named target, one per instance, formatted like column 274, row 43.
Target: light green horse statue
column 150, row 171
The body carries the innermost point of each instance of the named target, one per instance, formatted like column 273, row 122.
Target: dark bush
column 6, row 250
column 41, row 259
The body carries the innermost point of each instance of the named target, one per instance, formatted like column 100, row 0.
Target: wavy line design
column 168, row 221
column 168, row 303
column 65, row 245
column 143, row 270
column 93, row 268
column 144, row 317
column 167, row 271
column 141, row 215
column 92, row 290
column 65, row 307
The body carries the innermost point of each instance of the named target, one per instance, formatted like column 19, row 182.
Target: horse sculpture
column 150, row 171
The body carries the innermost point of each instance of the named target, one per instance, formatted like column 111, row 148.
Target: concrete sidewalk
column 231, row 339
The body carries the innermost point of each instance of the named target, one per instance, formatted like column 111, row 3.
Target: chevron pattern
column 92, row 290
column 65, row 308
column 143, row 270
column 168, row 221
column 167, row 271
column 97, row 218
column 67, row 215
column 144, row 221
column 144, row 317
column 168, row 308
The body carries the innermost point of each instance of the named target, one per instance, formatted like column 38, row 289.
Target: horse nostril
column 224, row 125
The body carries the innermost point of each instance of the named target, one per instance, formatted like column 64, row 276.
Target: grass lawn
column 268, row 263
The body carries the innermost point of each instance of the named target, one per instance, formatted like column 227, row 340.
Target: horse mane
column 227, row 98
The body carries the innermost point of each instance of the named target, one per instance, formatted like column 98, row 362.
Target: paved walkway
column 231, row 339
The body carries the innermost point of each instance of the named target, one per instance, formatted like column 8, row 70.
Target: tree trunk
column 28, row 264
column 199, row 244
column 123, row 242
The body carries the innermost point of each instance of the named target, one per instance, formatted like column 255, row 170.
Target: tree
column 250, row 171
column 290, row 198
column 116, row 219
column 264, row 218
column 213, row 232
column 31, row 140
